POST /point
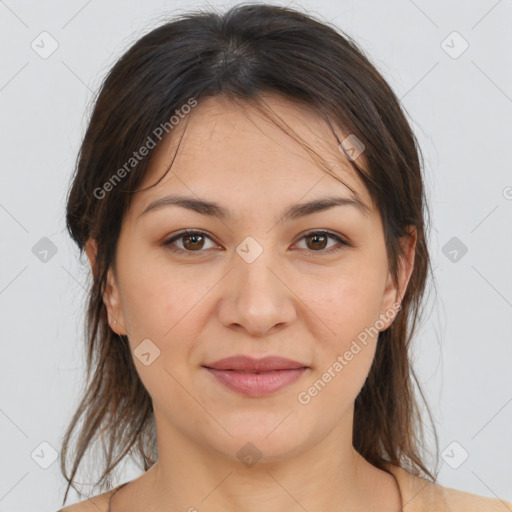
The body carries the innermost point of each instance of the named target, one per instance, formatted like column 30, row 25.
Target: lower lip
column 257, row 384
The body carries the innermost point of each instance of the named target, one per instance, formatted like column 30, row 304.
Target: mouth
column 256, row 377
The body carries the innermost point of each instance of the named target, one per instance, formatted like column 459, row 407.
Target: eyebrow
column 213, row 209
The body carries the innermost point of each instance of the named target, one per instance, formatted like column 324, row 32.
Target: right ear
column 111, row 297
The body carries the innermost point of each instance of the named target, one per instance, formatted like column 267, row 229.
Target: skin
column 295, row 300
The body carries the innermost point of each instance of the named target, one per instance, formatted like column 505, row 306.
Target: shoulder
column 422, row 495
column 97, row 503
column 446, row 498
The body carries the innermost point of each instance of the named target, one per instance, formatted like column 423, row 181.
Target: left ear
column 393, row 295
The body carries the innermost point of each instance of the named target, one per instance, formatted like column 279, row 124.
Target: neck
column 330, row 475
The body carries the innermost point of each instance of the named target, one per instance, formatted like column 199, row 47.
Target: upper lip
column 250, row 364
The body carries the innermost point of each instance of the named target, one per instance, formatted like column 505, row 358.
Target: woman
column 250, row 199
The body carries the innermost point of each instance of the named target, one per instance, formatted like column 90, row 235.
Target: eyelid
column 168, row 242
column 342, row 242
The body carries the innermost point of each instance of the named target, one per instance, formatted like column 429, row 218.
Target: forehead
column 225, row 147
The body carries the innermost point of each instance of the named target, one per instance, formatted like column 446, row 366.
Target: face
column 312, row 288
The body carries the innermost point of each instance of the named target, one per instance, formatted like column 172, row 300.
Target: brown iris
column 195, row 243
column 316, row 236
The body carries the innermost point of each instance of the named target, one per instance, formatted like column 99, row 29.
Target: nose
column 256, row 296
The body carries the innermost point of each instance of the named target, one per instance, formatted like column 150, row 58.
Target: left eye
column 194, row 241
column 319, row 237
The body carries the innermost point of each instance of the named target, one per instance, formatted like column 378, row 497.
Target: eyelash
column 168, row 243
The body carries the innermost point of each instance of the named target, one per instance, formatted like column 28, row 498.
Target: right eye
column 194, row 241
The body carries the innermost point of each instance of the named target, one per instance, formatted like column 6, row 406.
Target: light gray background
column 460, row 109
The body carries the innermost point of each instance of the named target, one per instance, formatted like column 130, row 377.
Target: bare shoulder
column 97, row 503
column 454, row 499
column 421, row 494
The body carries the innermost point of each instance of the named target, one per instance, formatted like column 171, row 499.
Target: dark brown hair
column 243, row 54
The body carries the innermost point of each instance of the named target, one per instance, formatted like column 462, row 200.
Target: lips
column 243, row 363
column 256, row 377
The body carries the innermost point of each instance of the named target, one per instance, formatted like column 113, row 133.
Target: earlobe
column 111, row 294
column 90, row 250
column 393, row 295
column 112, row 302
column 407, row 265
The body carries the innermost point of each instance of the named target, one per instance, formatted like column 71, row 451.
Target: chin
column 260, row 441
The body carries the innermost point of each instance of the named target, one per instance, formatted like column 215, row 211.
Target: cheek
column 158, row 298
column 346, row 304
column 348, row 307
column 165, row 307
column 345, row 350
